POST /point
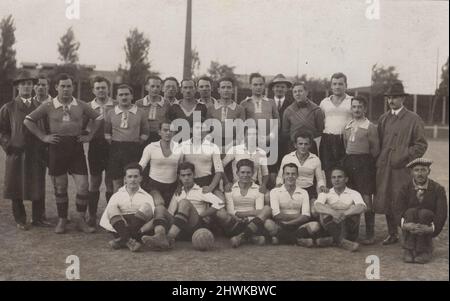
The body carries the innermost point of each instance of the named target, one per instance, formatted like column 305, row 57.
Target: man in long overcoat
column 25, row 156
column 402, row 140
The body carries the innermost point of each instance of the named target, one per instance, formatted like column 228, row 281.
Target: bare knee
column 266, row 213
column 222, row 215
column 184, row 206
column 271, row 227
column 312, row 227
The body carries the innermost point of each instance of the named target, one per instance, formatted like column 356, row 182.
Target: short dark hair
column 184, row 166
column 207, row 78
column 303, row 84
column 63, row 76
column 362, row 99
column 245, row 162
column 172, row 79
column 303, row 134
column 188, row 80
column 164, row 121
column 339, row 167
column 225, row 79
column 133, row 165
column 290, row 165
column 125, row 86
column 100, row 79
column 153, row 77
column 42, row 76
column 338, row 75
column 256, row 75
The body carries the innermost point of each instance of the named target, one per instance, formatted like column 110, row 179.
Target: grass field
column 39, row 254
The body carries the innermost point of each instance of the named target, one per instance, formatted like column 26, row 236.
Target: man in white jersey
column 290, row 206
column 248, row 150
column 129, row 209
column 340, row 211
column 337, row 110
column 163, row 160
column 191, row 210
column 205, row 155
column 246, row 212
column 309, row 167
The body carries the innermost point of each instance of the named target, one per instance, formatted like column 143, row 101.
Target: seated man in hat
column 340, row 211
column 421, row 211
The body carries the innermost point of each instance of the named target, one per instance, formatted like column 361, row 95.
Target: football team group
column 333, row 165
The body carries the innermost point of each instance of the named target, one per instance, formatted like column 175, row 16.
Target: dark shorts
column 331, row 151
column 361, row 173
column 67, row 156
column 166, row 190
column 98, row 155
column 312, row 192
column 203, row 181
column 121, row 154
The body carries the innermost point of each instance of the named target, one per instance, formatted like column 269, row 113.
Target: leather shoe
column 42, row 223
column 408, row 256
column 390, row 240
column 423, row 258
column 23, row 227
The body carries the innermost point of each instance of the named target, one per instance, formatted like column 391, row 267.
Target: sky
column 313, row 37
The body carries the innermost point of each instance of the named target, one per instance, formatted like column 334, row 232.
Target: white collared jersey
column 281, row 201
column 203, row 156
column 121, row 203
column 201, row 201
column 236, row 202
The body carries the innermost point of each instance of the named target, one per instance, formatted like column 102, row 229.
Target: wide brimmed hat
column 280, row 79
column 396, row 89
column 24, row 75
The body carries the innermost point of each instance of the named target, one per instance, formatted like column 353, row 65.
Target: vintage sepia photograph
column 224, row 140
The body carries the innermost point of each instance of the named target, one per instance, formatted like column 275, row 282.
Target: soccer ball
column 203, row 240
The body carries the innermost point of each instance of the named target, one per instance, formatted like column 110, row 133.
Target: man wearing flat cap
column 25, row 156
column 402, row 137
column 421, row 211
column 280, row 86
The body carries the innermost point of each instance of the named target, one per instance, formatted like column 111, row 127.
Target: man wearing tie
column 280, row 86
column 402, row 137
column 25, row 156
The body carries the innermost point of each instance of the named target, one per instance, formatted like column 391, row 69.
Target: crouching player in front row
column 129, row 209
column 340, row 211
column 190, row 210
column 291, row 212
column 246, row 213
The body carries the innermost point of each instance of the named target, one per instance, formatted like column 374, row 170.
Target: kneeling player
column 245, row 205
column 128, row 210
column 191, row 209
column 291, row 212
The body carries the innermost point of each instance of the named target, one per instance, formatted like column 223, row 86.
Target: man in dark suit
column 280, row 86
column 25, row 156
